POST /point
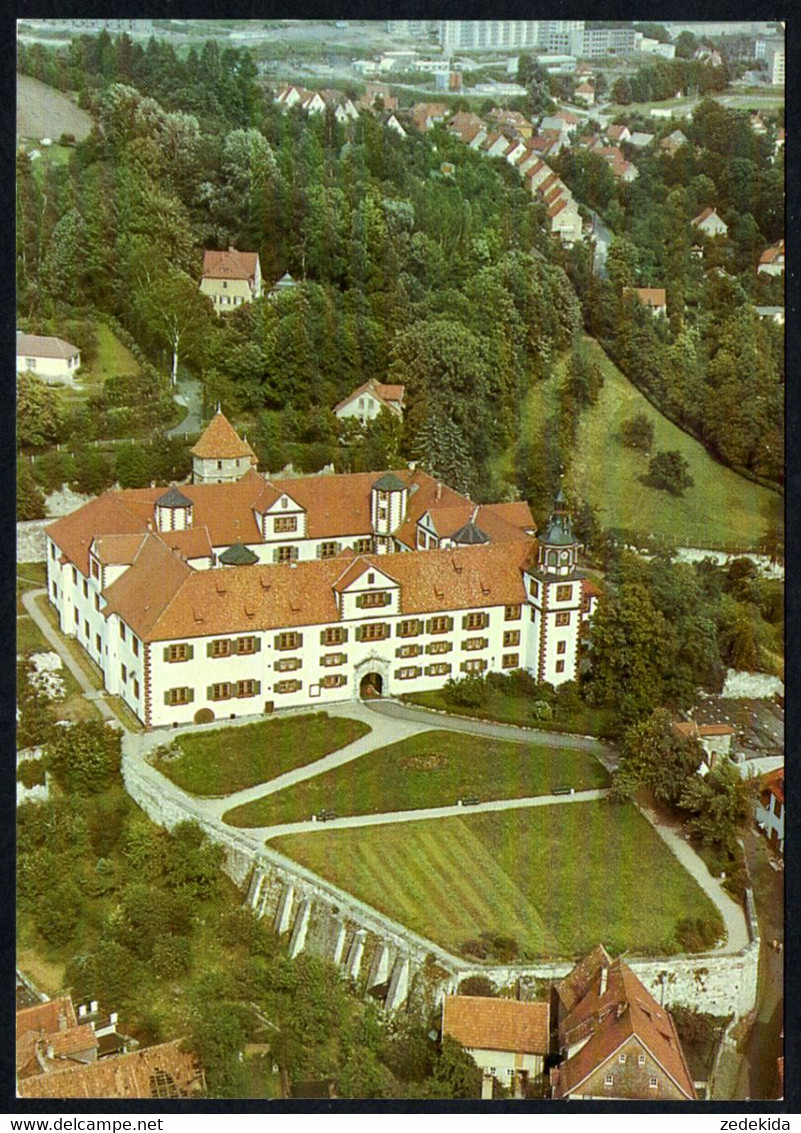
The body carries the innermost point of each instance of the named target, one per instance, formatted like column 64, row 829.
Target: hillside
column 43, row 112
column 722, row 509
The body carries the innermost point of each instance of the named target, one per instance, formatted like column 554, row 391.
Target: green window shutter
column 319, row 551
column 166, row 653
column 256, row 688
column 450, row 623
column 358, row 633
column 359, row 600
column 167, row 697
column 300, row 641
column 234, row 647
column 257, row 645
column 343, row 636
column 464, row 622
column 275, row 555
column 322, row 637
column 191, row 695
column 190, row 652
column 210, row 692
column 429, row 624
column 209, row 648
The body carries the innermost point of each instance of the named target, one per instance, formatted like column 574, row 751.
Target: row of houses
column 600, row 1035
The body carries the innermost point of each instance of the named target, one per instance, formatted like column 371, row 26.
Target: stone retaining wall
column 31, row 542
column 380, row 953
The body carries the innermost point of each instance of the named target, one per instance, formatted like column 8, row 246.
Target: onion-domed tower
column 554, row 593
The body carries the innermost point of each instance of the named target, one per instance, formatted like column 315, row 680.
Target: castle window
column 245, row 645
column 97, row 601
column 411, row 627
column 176, row 696
column 477, row 665
column 534, row 588
column 248, row 688
column 95, row 570
column 564, row 593
column 334, row 635
column 329, row 659
column 289, row 640
column 653, row 1083
column 373, row 598
column 622, row 1058
column 563, row 619
column 287, row 664
column 85, row 588
column 86, row 630
column 220, row 691
column 609, row 1080
column 373, row 631
column 370, row 578
column 74, row 576
column 135, row 645
column 511, row 613
column 333, row 680
column 179, row 652
column 122, row 631
column 560, row 666
column 328, row 550
column 136, row 689
column 219, row 464
column 551, row 558
column 439, row 647
column 475, row 643
column 123, row 674
column 440, row 669
column 98, row 643
column 408, row 672
column 561, row 647
column 476, row 619
column 284, row 501
column 409, row 651
column 289, row 686
column 363, row 546
column 285, row 554
column 439, row 624
column 510, row 661
column 285, row 523
column 511, row 637
column 641, row 1060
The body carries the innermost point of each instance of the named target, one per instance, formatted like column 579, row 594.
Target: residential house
column 564, row 221
column 309, row 100
column 673, row 142
column 368, row 399
column 770, row 808
column 586, row 92
column 232, row 599
column 654, row 298
column 230, row 278
column 220, row 456
column 714, row 739
column 343, row 108
column 163, row 1071
column 616, row 1042
column 511, row 120
column 515, row 151
column 391, row 122
column 771, row 262
column 51, row 359
column 625, row 171
column 710, row 223
column 377, row 93
column 468, row 127
column 506, row 1038
column 640, row 140
column 618, row 133
column 774, row 313
column 495, row 145
column 430, row 112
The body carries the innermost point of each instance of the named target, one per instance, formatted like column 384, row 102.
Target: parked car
column 471, row 800
column 325, row 815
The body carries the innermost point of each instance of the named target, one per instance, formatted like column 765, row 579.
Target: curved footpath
column 389, row 722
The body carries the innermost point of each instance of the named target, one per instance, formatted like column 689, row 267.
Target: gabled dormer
column 173, row 511
column 280, row 517
column 365, row 591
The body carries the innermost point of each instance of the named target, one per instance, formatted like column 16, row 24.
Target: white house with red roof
column 710, row 223
column 51, row 359
column 240, row 596
column 507, row 1039
column 367, row 400
column 771, row 262
column 770, row 808
column 230, row 278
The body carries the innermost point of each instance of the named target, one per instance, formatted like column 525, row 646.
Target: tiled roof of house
column 284, row 595
column 648, row 296
column 163, row 1071
column 774, row 782
column 482, row 1023
column 391, row 395
column 220, row 441
column 44, row 346
column 691, row 730
column 703, row 216
column 117, row 549
column 770, row 255
column 190, row 543
column 574, row 986
column 45, row 1017
column 611, row 1015
column 614, row 133
column 146, row 589
column 72, row 1041
column 229, row 264
column 555, row 209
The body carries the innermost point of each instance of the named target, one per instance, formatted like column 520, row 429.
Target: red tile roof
column 220, row 441
column 649, row 296
column 72, row 1041
column 392, row 395
column 575, row 985
column 480, row 1023
column 44, row 1017
column 229, row 264
column 612, row 1016
column 554, row 210
column 163, row 1071
column 769, row 256
column 774, row 782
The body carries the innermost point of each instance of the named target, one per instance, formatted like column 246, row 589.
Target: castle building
column 236, row 596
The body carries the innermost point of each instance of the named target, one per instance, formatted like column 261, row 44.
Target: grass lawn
column 30, row 638
column 229, row 759
column 509, row 709
column 30, row 576
column 557, row 879
column 431, row 769
column 112, row 358
column 722, row 509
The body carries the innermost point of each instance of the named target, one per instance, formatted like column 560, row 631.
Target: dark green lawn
column 556, row 879
column 230, row 759
column 510, row 709
column 432, row 769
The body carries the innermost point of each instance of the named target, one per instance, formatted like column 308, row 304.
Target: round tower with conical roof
column 221, row 456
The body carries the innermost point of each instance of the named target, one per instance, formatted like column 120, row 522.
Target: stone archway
column 371, row 686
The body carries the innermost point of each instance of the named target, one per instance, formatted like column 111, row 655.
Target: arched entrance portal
column 372, row 685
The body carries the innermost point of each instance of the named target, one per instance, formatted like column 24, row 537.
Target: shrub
column 30, row 499
column 85, row 758
column 568, row 699
column 31, row 773
column 171, row 956
column 669, row 471
column 638, row 432
column 477, row 948
column 469, row 692
column 478, row 985
column 57, row 915
column 700, row 933
column 542, row 710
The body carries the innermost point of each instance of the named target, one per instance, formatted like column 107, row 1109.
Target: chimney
column 231, row 248
column 62, row 1021
column 93, row 1006
column 113, row 1018
column 439, row 490
column 81, row 1010
column 604, row 977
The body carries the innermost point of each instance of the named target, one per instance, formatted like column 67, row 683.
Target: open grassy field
column 112, row 357
column 431, row 769
column 229, row 759
column 30, row 576
column 44, row 112
column 557, row 879
column 722, row 509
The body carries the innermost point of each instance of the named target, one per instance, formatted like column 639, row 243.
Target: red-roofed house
column 654, row 298
column 615, row 1039
column 507, row 1039
column 770, row 808
column 710, row 223
column 618, row 133
column 771, row 262
column 586, row 92
column 564, row 221
column 367, row 401
column 715, row 739
column 230, row 278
